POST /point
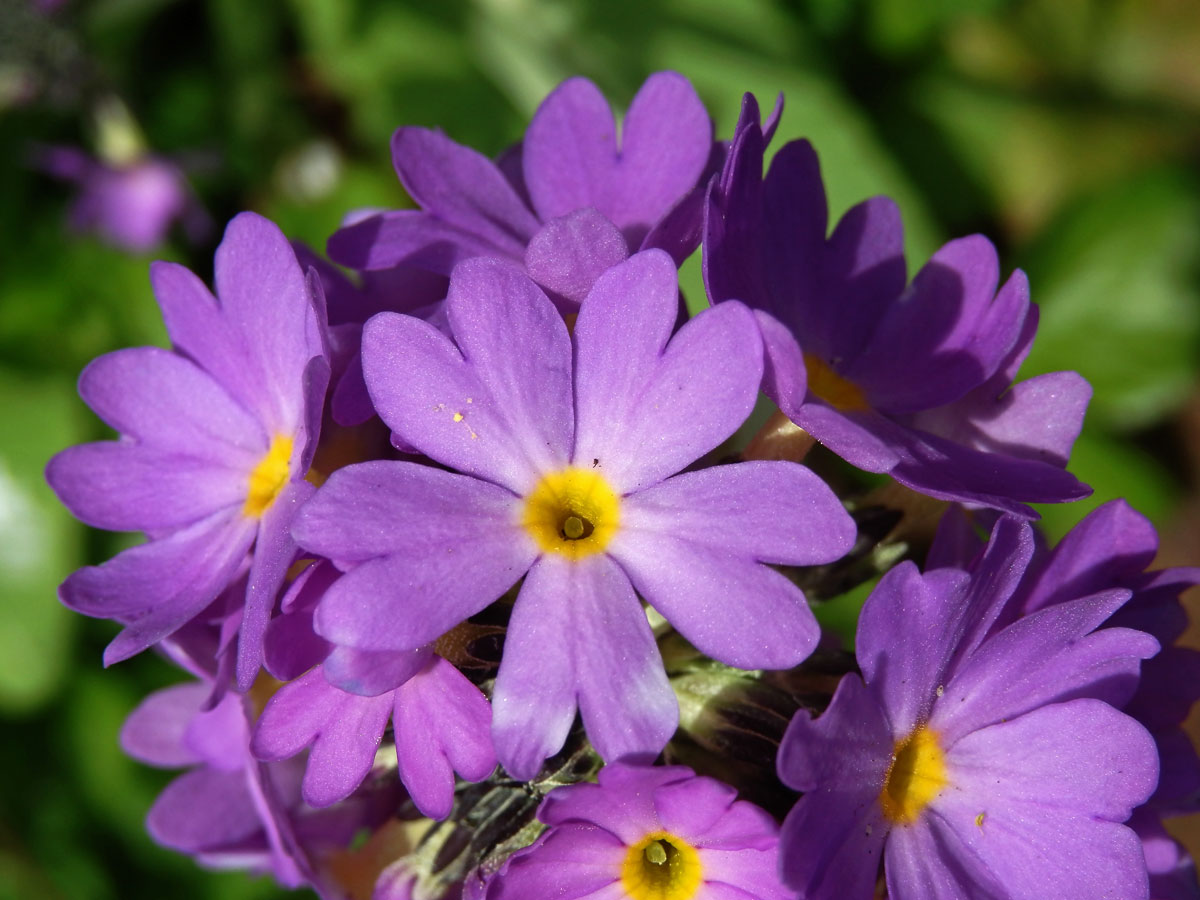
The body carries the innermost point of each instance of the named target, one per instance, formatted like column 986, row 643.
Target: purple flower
column 916, row 382
column 229, row 810
column 565, row 448
column 215, row 440
column 973, row 761
column 131, row 205
column 642, row 833
column 440, row 723
column 573, row 202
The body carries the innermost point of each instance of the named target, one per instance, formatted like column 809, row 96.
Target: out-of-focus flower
column 216, row 439
column 570, row 203
column 916, row 382
column 647, row 834
column 567, row 451
column 973, row 761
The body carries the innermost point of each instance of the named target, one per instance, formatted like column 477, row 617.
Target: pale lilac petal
column 219, row 735
column 274, row 551
column 384, row 507
column 767, row 511
column 706, row 813
column 414, row 238
column 928, row 861
column 343, row 731
column 156, row 587
column 1051, row 786
column 742, row 874
column 462, row 187
column 268, row 303
column 579, row 635
column 574, row 862
column 459, row 550
column 123, row 486
column 666, row 141
column 442, row 726
column 731, row 608
column 203, row 810
column 621, row 803
column 153, row 733
column 501, row 415
column 570, row 150
column 1081, row 757
column 198, row 329
column 167, row 402
column 1043, row 658
column 915, row 630
column 572, row 251
column 644, row 412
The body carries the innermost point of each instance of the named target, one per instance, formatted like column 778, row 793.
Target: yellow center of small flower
column 838, row 392
column 573, row 512
column 916, row 776
column 268, row 477
column 661, row 866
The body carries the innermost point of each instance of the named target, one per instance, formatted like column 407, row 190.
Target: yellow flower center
column 661, row 866
column 838, row 392
column 573, row 512
column 268, row 477
column 916, row 776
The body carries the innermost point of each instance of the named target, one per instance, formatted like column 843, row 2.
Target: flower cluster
column 484, row 595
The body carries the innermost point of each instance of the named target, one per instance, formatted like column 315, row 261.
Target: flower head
column 973, row 760
column 577, row 201
column 914, row 381
column 565, row 448
column 216, row 438
column 643, row 833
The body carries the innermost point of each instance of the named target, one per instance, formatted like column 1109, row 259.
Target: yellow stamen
column 661, row 866
column 268, row 477
column 916, row 776
column 572, row 512
column 838, row 392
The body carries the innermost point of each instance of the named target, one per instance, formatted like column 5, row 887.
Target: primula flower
column 916, row 382
column 231, row 811
column 565, row 449
column 973, row 761
column 216, row 438
column 440, row 726
column 644, row 833
column 131, row 204
column 573, row 202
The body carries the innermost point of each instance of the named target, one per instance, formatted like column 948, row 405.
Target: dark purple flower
column 132, row 205
column 973, row 761
column 644, row 833
column 567, row 448
column 580, row 202
column 216, row 438
column 914, row 381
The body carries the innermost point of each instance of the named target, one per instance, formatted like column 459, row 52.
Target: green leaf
column 39, row 541
column 1117, row 306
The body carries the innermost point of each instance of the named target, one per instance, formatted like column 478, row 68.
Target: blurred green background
column 1066, row 130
